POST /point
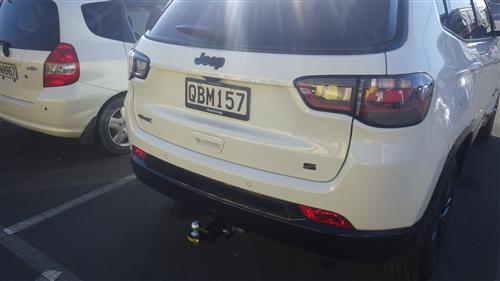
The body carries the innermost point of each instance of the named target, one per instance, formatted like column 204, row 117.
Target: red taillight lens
column 395, row 102
column 325, row 217
column 61, row 67
column 139, row 152
column 384, row 101
column 328, row 94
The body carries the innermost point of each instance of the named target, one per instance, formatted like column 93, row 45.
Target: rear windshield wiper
column 201, row 32
column 5, row 47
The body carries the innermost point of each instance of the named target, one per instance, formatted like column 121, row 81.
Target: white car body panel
column 388, row 176
column 282, row 143
column 65, row 111
column 369, row 158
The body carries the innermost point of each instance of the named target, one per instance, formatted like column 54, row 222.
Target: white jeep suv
column 63, row 65
column 348, row 120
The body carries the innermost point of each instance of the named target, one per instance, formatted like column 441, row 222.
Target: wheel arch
column 458, row 152
column 462, row 150
column 89, row 135
column 120, row 94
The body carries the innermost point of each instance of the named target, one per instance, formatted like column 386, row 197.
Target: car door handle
column 476, row 66
column 211, row 142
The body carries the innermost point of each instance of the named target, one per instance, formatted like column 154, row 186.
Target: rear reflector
column 139, row 152
column 61, row 67
column 325, row 217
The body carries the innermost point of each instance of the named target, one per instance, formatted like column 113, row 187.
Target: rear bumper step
column 269, row 217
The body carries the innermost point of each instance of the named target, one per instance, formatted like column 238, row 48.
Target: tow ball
column 212, row 232
column 195, row 235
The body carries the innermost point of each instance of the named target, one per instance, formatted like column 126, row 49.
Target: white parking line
column 66, row 206
column 49, row 275
column 37, row 260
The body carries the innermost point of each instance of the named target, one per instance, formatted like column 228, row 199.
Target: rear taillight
column 62, row 67
column 394, row 102
column 325, row 217
column 138, row 65
column 328, row 94
column 382, row 101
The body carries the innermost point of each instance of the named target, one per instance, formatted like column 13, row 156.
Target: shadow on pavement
column 36, row 161
column 26, row 151
column 472, row 248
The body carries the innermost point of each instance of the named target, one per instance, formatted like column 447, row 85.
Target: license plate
column 218, row 98
column 8, row 70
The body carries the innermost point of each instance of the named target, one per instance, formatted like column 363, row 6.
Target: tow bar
column 214, row 230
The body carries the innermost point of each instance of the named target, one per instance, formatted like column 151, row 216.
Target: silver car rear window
column 30, row 25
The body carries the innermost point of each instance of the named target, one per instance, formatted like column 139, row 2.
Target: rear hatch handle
column 5, row 47
column 207, row 141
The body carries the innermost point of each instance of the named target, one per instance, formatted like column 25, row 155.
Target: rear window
column 107, row 20
column 283, row 26
column 29, row 25
column 142, row 16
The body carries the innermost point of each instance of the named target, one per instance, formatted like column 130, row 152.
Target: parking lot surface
column 69, row 211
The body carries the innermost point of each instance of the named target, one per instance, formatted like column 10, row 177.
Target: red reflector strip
column 139, row 153
column 325, row 217
column 55, row 80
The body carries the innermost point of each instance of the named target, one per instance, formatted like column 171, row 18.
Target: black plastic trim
column 89, row 134
column 283, row 211
column 286, row 226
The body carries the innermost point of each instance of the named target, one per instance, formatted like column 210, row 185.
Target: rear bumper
column 384, row 184
column 273, row 218
column 35, row 115
column 62, row 112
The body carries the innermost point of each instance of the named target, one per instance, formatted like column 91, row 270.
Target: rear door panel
column 30, row 74
column 282, row 134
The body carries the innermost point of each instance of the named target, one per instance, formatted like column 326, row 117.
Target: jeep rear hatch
column 222, row 79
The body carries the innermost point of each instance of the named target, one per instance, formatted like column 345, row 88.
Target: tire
column 419, row 259
column 484, row 134
column 111, row 127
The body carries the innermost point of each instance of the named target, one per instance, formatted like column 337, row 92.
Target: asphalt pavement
column 70, row 211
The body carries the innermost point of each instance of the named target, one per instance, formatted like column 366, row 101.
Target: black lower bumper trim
column 273, row 218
